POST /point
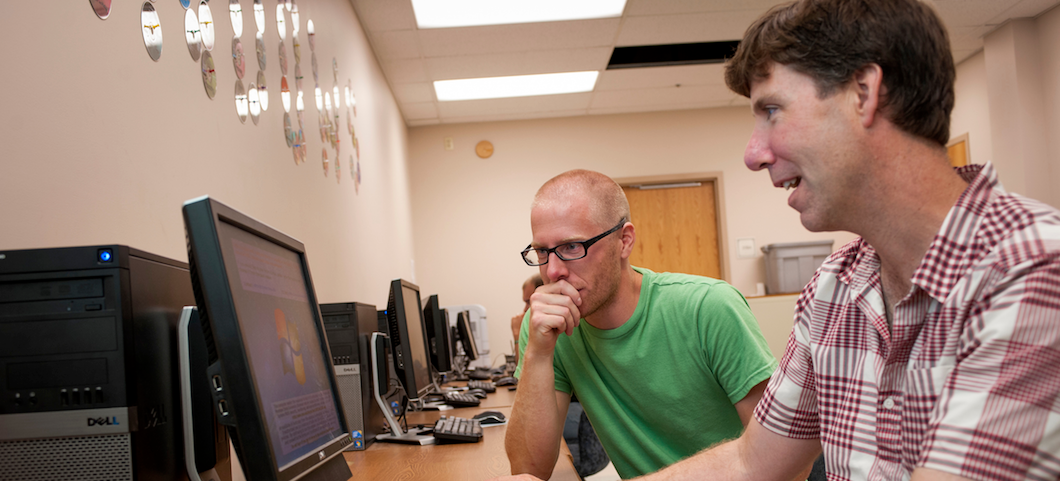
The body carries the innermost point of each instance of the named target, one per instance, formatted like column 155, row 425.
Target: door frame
column 719, row 205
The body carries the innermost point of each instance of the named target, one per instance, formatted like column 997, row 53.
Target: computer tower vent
column 204, row 319
column 89, row 458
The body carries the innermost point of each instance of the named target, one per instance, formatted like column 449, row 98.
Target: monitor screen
column 436, row 320
column 408, row 338
column 467, row 339
column 273, row 384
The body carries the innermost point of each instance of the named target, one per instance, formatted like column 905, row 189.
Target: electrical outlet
column 745, row 247
column 448, row 143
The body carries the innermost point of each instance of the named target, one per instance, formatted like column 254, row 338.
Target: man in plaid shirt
column 929, row 348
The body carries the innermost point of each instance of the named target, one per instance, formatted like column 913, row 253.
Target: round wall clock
column 152, row 30
column 206, row 25
column 192, row 34
column 484, row 149
column 236, row 13
column 239, row 62
column 209, row 75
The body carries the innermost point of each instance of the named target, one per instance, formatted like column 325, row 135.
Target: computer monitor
column 271, row 379
column 464, row 335
column 408, row 339
column 436, row 320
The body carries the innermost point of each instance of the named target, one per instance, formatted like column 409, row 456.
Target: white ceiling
column 412, row 58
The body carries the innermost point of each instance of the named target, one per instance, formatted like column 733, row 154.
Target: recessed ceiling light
column 468, row 13
column 516, row 86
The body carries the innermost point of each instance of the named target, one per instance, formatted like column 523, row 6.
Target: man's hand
column 553, row 309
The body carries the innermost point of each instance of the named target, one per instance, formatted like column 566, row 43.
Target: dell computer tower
column 349, row 326
column 90, row 385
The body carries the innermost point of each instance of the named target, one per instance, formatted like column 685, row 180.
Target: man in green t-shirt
column 664, row 364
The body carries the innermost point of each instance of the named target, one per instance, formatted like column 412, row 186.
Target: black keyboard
column 487, row 386
column 460, row 400
column 457, row 430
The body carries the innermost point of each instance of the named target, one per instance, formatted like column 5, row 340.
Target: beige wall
column 471, row 215
column 971, row 114
column 103, row 145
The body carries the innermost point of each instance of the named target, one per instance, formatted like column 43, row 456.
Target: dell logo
column 111, row 421
column 321, row 454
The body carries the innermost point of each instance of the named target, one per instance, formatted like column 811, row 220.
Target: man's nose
column 556, row 268
column 758, row 155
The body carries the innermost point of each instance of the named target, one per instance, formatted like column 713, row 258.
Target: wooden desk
column 464, row 461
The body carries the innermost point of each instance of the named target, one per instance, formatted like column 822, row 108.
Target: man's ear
column 868, row 85
column 629, row 235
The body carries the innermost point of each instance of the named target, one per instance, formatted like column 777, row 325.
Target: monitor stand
column 397, row 434
column 206, row 449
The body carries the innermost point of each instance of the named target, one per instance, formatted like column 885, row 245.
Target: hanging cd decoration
column 322, row 124
column 297, row 77
column 357, row 148
column 324, row 160
column 102, row 8
column 192, row 34
column 238, row 60
column 335, row 77
column 263, row 93
column 320, row 99
column 283, row 58
column 357, row 183
column 349, row 122
column 313, row 65
column 259, row 48
column 281, row 22
column 253, row 102
column 242, row 105
column 259, row 16
column 285, row 94
column 152, row 30
column 209, row 75
column 299, row 148
column 288, row 133
column 185, row 3
column 206, row 25
column 353, row 173
column 351, row 98
column 288, row 3
column 311, row 33
column 296, row 47
column 338, row 168
column 236, row 13
column 294, row 21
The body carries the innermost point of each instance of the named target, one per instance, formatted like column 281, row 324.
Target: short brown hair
column 608, row 203
column 830, row 40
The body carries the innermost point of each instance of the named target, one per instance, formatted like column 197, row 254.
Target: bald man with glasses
column 664, row 364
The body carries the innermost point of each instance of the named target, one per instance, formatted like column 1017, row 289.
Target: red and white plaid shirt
column 968, row 379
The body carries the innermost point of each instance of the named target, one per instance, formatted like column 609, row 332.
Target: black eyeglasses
column 567, row 252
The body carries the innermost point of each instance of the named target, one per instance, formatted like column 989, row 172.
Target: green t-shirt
column 661, row 387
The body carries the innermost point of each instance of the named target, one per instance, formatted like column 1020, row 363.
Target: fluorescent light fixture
column 469, row 13
column 516, row 86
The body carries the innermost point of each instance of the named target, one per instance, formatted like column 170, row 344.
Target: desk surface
column 465, row 461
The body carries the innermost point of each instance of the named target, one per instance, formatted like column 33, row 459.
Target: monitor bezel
column 438, row 331
column 407, row 374
column 210, row 279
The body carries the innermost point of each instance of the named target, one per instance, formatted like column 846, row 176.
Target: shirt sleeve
column 736, row 349
column 789, row 405
column 998, row 414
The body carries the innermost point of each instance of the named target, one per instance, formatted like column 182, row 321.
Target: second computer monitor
column 437, row 323
column 465, row 335
column 408, row 338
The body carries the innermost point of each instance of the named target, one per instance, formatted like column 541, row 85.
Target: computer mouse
column 477, row 393
column 506, row 381
column 487, row 418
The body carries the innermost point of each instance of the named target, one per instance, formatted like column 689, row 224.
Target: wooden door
column 677, row 228
column 957, row 151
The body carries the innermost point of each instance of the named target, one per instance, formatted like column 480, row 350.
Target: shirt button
column 888, row 403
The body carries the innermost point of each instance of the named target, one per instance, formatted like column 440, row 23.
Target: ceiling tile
column 1028, row 8
column 417, row 92
column 686, row 28
column 662, row 96
column 966, row 13
column 419, row 111
column 657, row 107
column 423, row 122
column 448, row 42
column 518, row 63
column 406, row 71
column 666, row 7
column 542, row 103
column 519, row 116
column 381, row 15
column 395, row 45
column 636, row 78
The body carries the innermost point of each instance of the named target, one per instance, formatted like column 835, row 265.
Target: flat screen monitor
column 408, row 338
column 464, row 335
column 436, row 320
column 271, row 380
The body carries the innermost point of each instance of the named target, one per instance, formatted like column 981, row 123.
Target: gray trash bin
column 791, row 265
